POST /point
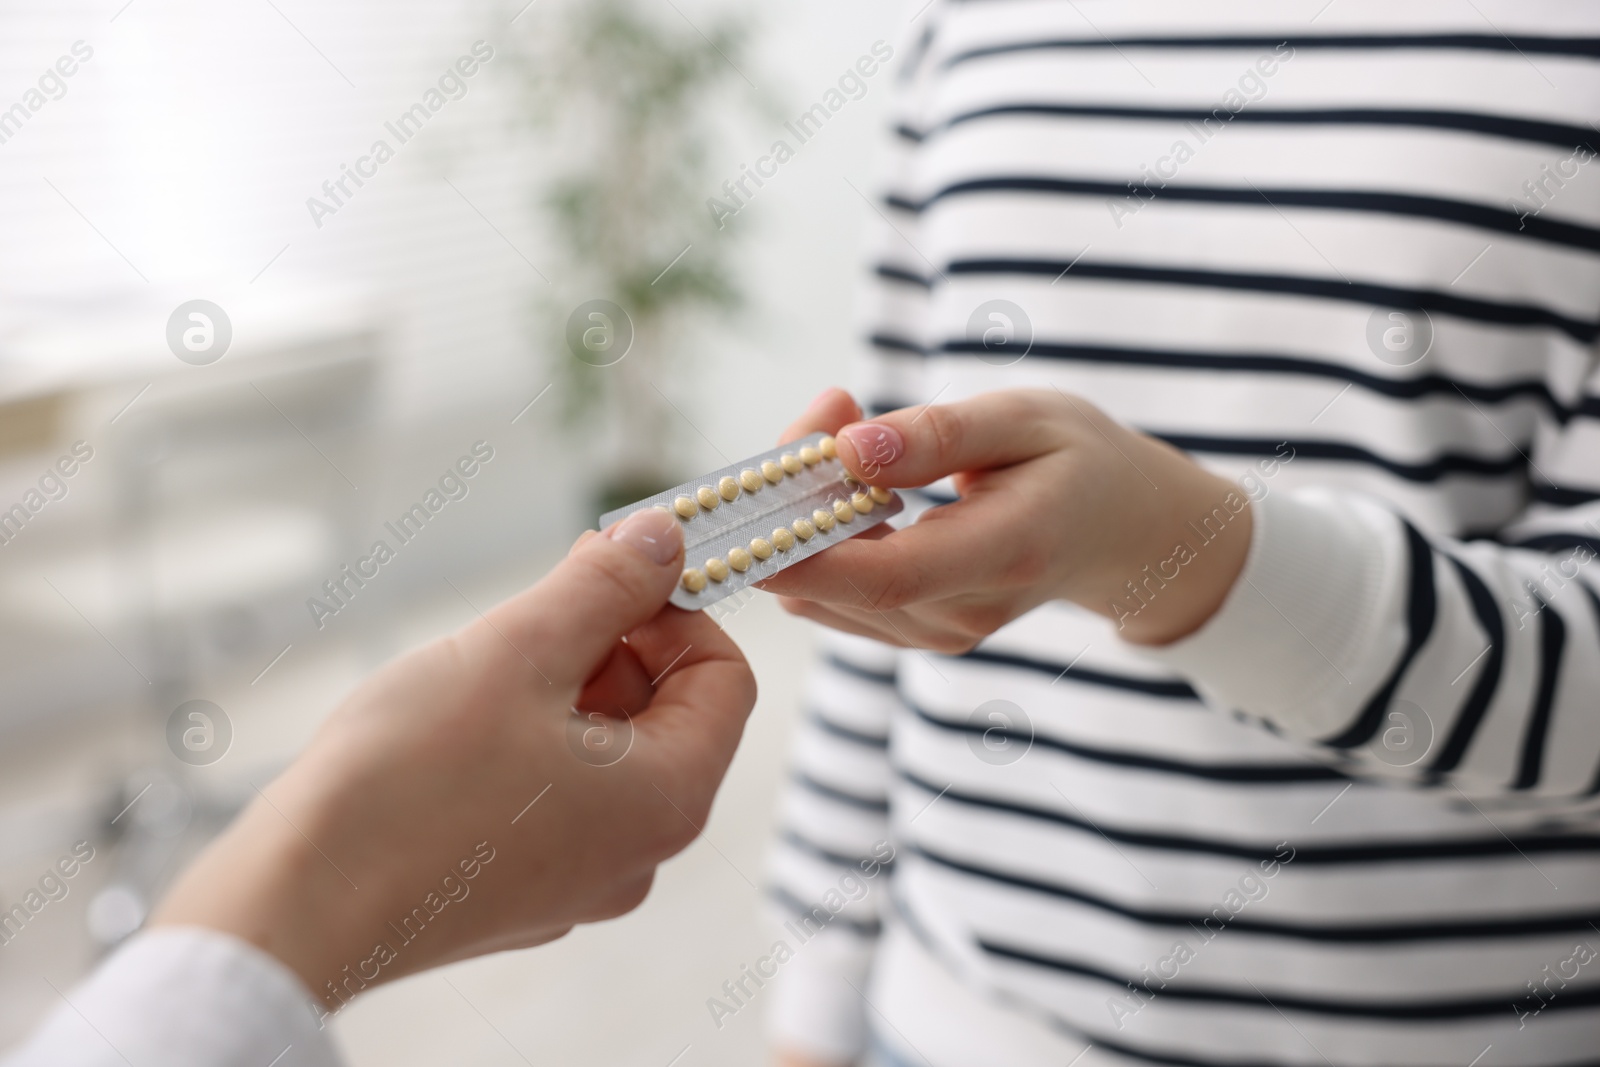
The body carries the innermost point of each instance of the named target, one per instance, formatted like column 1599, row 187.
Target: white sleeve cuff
column 812, row 1011
column 188, row 996
column 1315, row 621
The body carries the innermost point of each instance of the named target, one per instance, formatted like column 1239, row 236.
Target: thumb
column 917, row 446
column 569, row 622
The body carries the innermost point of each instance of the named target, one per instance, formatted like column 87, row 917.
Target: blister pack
column 750, row 520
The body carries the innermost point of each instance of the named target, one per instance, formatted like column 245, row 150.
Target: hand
column 1057, row 501
column 416, row 788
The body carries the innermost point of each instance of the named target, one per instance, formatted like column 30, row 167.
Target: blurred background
column 237, row 338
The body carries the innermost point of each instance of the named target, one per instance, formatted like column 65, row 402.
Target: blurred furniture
column 218, row 498
column 212, row 500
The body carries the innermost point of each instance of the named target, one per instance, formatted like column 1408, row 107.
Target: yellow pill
column 716, row 569
column 783, row 538
column 708, row 497
column 739, row 559
column 729, row 487
column 791, row 463
column 828, row 447
column 862, row 503
column 843, row 511
column 881, row 496
column 694, row 579
column 685, row 507
column 823, row 518
column 761, row 548
column 750, row 478
column 803, row 529
column 810, row 456
column 771, row 472
column 852, row 481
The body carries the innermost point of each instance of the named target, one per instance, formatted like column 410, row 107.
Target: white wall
column 193, row 137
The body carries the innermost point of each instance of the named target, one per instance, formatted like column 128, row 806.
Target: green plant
column 621, row 98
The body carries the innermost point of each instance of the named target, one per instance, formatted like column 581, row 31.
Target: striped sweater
column 1347, row 253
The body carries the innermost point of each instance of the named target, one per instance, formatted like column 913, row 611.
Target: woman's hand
column 455, row 804
column 1057, row 501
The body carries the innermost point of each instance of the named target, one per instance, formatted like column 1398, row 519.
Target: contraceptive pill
column 750, row 520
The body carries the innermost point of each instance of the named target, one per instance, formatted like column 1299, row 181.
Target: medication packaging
column 750, row 520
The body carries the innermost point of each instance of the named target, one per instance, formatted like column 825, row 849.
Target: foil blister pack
column 750, row 520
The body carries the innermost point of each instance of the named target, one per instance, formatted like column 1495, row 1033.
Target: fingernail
column 876, row 444
column 654, row 532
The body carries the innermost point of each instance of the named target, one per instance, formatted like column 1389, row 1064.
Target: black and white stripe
column 1377, row 170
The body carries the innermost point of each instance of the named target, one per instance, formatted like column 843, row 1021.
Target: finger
column 935, row 627
column 619, row 899
column 832, row 409
column 845, row 620
column 778, row 585
column 583, row 539
column 567, row 623
column 788, row 583
column 703, row 686
column 621, row 687
column 957, row 548
column 918, row 446
column 676, row 640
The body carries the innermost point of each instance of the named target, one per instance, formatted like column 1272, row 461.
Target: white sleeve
column 182, row 996
column 1424, row 658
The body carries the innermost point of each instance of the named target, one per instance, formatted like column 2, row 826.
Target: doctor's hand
column 455, row 804
column 1057, row 501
